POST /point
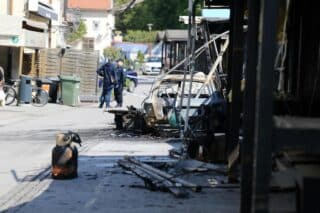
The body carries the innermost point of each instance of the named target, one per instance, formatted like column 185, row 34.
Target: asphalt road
column 27, row 135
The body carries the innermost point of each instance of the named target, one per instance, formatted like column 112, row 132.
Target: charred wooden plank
column 153, row 179
column 166, row 175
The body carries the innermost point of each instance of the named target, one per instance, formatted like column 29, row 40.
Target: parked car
column 131, row 79
column 152, row 65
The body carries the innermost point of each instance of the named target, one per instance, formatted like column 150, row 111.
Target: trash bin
column 25, row 90
column 46, row 84
column 43, row 83
column 70, row 90
column 53, row 90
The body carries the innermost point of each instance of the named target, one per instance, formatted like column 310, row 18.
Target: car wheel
column 131, row 86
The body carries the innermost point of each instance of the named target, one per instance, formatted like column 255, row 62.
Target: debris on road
column 157, row 179
column 130, row 118
column 192, row 165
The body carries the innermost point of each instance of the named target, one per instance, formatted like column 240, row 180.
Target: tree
column 139, row 36
column 140, row 57
column 163, row 14
column 121, row 2
column 78, row 33
column 112, row 53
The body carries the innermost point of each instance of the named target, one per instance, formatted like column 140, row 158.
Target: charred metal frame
column 263, row 132
column 235, row 66
column 249, row 106
column 264, row 108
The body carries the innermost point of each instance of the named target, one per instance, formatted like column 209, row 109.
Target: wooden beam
column 21, row 49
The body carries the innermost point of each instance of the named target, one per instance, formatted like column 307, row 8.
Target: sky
column 216, row 13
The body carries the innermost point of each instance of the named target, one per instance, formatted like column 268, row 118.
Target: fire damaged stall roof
column 176, row 35
column 160, row 36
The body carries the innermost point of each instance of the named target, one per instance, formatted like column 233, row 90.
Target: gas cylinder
column 65, row 156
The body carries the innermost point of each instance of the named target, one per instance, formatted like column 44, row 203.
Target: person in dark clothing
column 1, row 76
column 107, row 71
column 118, row 90
column 2, row 94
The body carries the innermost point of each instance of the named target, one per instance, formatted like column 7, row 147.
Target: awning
column 47, row 12
column 36, row 24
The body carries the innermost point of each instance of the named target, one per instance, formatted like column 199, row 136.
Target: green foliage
column 140, row 57
column 120, row 2
column 112, row 53
column 79, row 33
column 127, row 63
column 163, row 14
column 139, row 36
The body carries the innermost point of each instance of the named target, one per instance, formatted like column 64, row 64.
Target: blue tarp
column 131, row 47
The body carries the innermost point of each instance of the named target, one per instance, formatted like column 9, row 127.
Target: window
column 88, row 43
column 95, row 25
column 154, row 59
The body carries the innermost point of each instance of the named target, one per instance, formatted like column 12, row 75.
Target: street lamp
column 150, row 26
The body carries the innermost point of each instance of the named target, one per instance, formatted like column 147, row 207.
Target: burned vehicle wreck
column 163, row 102
column 193, row 103
column 165, row 99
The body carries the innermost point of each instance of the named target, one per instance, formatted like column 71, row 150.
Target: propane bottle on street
column 65, row 156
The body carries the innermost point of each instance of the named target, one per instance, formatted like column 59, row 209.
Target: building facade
column 26, row 27
column 99, row 20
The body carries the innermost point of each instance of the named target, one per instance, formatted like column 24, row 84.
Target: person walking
column 2, row 81
column 107, row 72
column 118, row 90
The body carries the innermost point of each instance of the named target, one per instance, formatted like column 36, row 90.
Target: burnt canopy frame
column 235, row 74
column 251, row 53
column 264, row 105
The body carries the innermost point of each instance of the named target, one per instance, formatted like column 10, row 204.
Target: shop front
column 20, row 40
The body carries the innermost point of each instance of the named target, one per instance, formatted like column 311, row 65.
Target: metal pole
column 264, row 108
column 247, row 146
column 236, row 62
column 192, row 63
column 186, row 65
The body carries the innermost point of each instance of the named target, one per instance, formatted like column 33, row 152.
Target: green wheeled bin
column 70, row 90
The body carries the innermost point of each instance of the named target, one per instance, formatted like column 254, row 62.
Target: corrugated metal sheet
column 176, row 35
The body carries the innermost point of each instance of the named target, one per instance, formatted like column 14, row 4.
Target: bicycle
column 39, row 96
column 10, row 92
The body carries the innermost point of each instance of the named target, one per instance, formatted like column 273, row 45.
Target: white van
column 152, row 65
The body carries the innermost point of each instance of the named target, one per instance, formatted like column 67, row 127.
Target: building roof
column 90, row 5
column 160, row 36
column 176, row 35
